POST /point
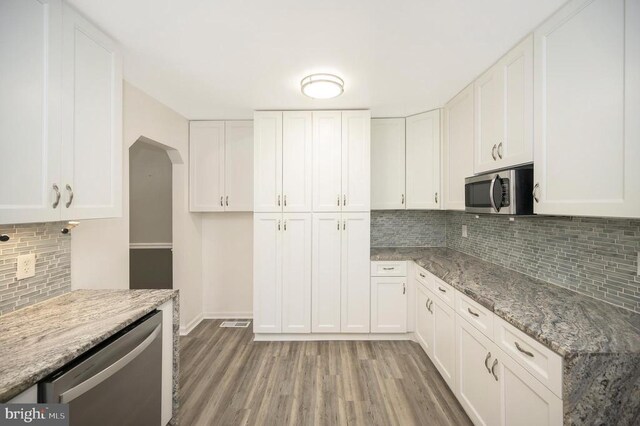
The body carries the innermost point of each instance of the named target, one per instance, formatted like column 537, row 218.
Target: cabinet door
column 267, row 164
column 267, row 273
column 356, row 255
column 586, row 107
column 206, row 166
column 387, row 163
column 29, row 110
column 423, row 161
column 444, row 352
column 327, row 163
column 91, row 120
column 238, row 169
column 356, row 161
column 489, row 119
column 326, row 271
column 476, row 388
column 388, row 304
column 296, row 273
column 523, row 399
column 516, row 147
column 424, row 320
column 458, row 148
column 296, row 161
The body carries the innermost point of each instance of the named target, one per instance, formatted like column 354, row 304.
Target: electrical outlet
column 26, row 266
column 464, row 231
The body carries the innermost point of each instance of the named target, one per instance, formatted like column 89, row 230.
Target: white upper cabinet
column 296, row 161
column 61, row 115
column 423, row 161
column 388, row 163
column 91, row 120
column 267, row 166
column 296, row 273
column 356, row 161
column 327, row 161
column 30, row 110
column 355, row 288
column 238, row 170
column 206, row 166
column 587, row 104
column 457, row 148
column 220, row 166
column 504, row 111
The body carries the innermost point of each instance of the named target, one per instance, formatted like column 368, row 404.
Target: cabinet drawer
column 425, row 278
column 389, row 269
column 444, row 291
column 476, row 314
column 544, row 364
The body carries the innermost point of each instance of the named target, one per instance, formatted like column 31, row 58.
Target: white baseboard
column 273, row 337
column 228, row 315
column 186, row 329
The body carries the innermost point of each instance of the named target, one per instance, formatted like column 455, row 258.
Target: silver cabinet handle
column 344, row 200
column 278, row 199
column 278, row 225
column 524, row 351
column 535, row 192
column 442, row 289
column 344, row 224
column 500, row 150
column 422, row 275
column 404, row 288
column 485, row 362
column 221, row 203
column 493, row 152
column 402, row 199
column 475, row 314
column 338, row 200
column 493, row 369
column 338, row 225
column 436, row 198
column 426, row 304
column 93, row 381
column 57, row 201
column 226, row 200
column 285, row 200
column 285, row 224
column 430, row 305
column 70, row 196
column 389, row 268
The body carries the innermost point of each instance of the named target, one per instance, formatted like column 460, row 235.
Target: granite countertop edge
column 12, row 389
column 550, row 339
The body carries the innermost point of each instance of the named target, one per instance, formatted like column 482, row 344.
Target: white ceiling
column 212, row 59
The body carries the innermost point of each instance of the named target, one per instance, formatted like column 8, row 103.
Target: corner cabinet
column 587, row 104
column 504, row 111
column 423, row 161
column 66, row 142
column 221, row 166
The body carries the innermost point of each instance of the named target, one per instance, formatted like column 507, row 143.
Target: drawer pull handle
column 388, row 268
column 442, row 289
column 485, row 362
column 422, row 275
column 524, row 351
column 475, row 314
column 493, row 369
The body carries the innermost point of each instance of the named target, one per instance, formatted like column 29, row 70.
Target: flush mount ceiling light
column 322, row 86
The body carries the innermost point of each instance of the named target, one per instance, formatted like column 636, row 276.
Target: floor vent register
column 236, row 324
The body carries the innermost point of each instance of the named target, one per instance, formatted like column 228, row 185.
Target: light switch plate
column 26, row 266
column 464, row 231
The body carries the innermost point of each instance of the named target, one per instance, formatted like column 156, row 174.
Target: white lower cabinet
column 424, row 320
column 444, row 347
column 340, row 282
column 389, row 304
column 282, row 273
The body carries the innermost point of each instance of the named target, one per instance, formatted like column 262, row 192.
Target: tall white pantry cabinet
column 311, row 222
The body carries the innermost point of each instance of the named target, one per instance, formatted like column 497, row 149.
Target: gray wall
column 53, row 264
column 593, row 256
column 149, row 194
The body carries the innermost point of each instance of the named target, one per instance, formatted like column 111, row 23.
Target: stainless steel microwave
column 506, row 192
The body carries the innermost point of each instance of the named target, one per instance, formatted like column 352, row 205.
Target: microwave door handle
column 493, row 202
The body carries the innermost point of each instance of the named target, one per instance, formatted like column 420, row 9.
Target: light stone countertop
column 39, row 339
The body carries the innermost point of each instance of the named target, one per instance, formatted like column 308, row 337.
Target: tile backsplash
column 53, row 264
column 597, row 257
column 408, row 228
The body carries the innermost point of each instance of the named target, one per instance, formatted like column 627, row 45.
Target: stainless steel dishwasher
column 116, row 383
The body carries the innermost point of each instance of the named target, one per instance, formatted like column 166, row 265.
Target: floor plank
column 228, row 379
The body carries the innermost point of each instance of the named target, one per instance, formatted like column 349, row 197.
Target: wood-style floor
column 227, row 379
